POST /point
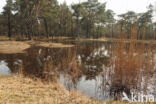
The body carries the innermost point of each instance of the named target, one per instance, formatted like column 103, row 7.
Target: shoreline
column 14, row 47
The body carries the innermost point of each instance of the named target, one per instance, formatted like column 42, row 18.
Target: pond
column 100, row 70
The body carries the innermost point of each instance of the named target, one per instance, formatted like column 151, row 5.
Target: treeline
column 90, row 19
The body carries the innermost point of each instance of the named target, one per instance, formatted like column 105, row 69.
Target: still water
column 100, row 70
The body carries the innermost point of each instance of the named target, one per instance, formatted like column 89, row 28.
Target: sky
column 118, row 6
column 121, row 6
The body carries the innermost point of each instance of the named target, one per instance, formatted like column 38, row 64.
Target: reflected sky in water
column 4, row 69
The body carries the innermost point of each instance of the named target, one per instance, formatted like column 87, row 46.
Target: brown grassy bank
column 18, row 38
column 119, row 40
column 20, row 90
column 12, row 47
column 54, row 45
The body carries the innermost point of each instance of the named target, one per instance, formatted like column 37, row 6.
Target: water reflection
column 4, row 69
column 99, row 70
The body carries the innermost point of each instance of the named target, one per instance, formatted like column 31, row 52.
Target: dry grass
column 12, row 47
column 19, row 37
column 20, row 90
column 53, row 45
column 118, row 40
column 9, row 47
column 51, row 38
column 131, row 62
column 4, row 38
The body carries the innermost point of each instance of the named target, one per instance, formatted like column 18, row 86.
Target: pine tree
column 8, row 14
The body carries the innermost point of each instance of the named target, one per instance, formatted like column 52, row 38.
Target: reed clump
column 132, row 63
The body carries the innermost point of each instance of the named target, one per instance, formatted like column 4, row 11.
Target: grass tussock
column 132, row 62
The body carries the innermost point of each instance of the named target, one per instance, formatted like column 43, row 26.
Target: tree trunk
column 112, row 30
column 155, row 33
column 9, row 26
column 87, row 31
column 29, row 32
column 77, row 31
column 46, row 27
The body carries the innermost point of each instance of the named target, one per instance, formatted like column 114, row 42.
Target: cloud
column 2, row 4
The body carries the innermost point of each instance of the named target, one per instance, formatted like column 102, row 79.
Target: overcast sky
column 118, row 6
